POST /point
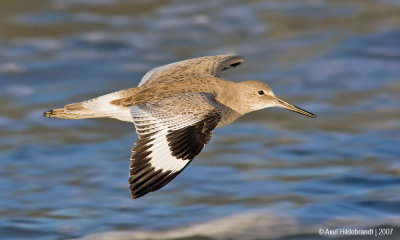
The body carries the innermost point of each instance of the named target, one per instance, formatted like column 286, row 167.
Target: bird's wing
column 171, row 133
column 211, row 65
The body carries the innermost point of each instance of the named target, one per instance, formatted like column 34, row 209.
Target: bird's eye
column 260, row 92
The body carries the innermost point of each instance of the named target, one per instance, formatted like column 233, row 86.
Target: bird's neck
column 229, row 94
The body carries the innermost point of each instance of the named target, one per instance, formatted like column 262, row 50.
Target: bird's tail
column 72, row 111
column 100, row 107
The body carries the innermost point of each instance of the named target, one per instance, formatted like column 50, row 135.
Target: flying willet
column 175, row 109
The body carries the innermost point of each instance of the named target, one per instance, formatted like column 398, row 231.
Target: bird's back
column 161, row 90
column 192, row 75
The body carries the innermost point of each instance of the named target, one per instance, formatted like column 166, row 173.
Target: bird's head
column 258, row 95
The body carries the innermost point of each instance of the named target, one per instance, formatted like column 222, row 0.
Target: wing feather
column 211, row 65
column 169, row 139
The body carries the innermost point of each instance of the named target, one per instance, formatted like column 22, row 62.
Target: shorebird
column 175, row 109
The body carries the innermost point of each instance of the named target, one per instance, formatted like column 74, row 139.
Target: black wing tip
column 235, row 64
column 232, row 61
column 153, row 184
column 135, row 196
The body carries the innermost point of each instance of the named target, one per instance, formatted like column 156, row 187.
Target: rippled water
column 271, row 175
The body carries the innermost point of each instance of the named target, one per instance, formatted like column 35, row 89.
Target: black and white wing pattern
column 171, row 133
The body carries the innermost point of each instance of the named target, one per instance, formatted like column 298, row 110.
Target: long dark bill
column 293, row 108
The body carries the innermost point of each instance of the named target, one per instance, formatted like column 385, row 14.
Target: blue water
column 271, row 175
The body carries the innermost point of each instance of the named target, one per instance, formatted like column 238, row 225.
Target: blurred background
column 273, row 174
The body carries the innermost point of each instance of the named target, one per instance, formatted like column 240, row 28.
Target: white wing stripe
column 161, row 157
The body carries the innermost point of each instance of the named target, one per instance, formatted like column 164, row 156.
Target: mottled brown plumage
column 193, row 75
column 175, row 109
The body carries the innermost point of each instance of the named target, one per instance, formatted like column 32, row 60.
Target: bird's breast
column 229, row 115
